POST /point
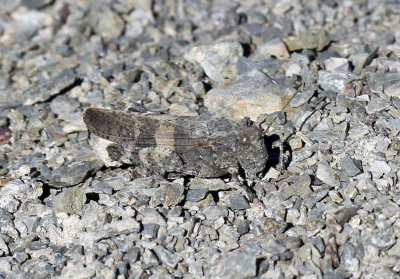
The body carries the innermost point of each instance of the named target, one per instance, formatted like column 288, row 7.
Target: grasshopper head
column 251, row 150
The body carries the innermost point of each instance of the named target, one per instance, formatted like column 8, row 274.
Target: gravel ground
column 328, row 202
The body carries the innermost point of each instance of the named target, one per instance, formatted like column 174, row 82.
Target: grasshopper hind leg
column 157, row 161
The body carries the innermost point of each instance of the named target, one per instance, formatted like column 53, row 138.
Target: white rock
column 380, row 167
column 336, row 63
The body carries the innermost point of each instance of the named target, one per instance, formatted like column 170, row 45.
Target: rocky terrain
column 321, row 78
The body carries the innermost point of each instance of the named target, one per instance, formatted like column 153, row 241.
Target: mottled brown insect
column 188, row 145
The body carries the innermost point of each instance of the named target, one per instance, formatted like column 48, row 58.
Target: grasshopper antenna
column 284, row 107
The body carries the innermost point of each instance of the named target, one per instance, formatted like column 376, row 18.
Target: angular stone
column 150, row 230
column 166, row 257
column 215, row 57
column 70, row 174
column 36, row 4
column 63, row 104
column 336, row 64
column 237, row 264
column 238, row 202
column 383, row 241
column 297, row 186
column 169, row 194
column 208, row 184
column 274, row 48
column 42, row 91
column 252, row 95
column 124, row 226
column 315, row 197
column 335, row 81
column 380, row 167
column 196, row 194
column 70, row 200
column 106, row 23
column 351, row 167
column 327, row 175
column 314, row 39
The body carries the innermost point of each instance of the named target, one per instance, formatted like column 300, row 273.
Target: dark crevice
column 77, row 82
column 246, row 50
column 262, row 266
column 273, row 152
column 207, row 87
column 46, row 192
column 215, row 196
column 92, row 197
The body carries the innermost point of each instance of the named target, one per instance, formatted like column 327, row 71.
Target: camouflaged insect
column 189, row 145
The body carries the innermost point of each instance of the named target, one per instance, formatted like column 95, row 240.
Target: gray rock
column 149, row 259
column 243, row 227
column 208, row 184
column 395, row 249
column 213, row 58
column 107, row 23
column 335, row 82
column 387, row 83
column 9, row 6
column 132, row 255
column 238, row 202
column 20, row 257
column 376, row 105
column 166, row 257
column 250, row 96
column 225, row 19
column 302, row 98
column 26, row 225
column 334, row 275
column 327, row 175
column 104, row 187
column 392, row 90
column 150, row 230
column 169, row 194
column 349, row 251
column 273, row 48
column 37, row 245
column 313, row 39
column 344, row 214
column 380, row 167
column 76, row 269
column 36, row 4
column 124, row 226
column 325, row 136
column 366, row 61
column 4, row 248
column 296, row 186
column 335, row 63
column 213, row 212
column 3, row 167
column 236, row 265
column 315, row 197
column 42, row 91
column 196, row 194
column 70, row 200
column 39, row 267
column 318, row 242
column 71, row 174
column 252, row 29
column 63, row 105
column 137, row 21
column 350, row 166
column 383, row 241
column 395, row 124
